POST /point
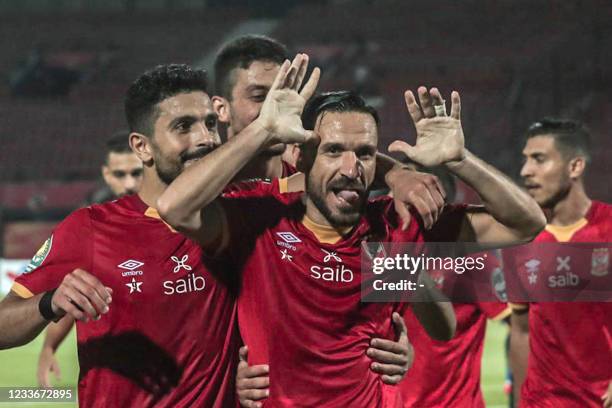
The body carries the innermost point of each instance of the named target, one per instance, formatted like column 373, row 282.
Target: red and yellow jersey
column 447, row 373
column 299, row 308
column 170, row 338
column 570, row 360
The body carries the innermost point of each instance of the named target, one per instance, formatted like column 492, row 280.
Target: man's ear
column 141, row 146
column 576, row 167
column 221, row 108
column 105, row 173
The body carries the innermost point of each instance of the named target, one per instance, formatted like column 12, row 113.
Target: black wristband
column 44, row 306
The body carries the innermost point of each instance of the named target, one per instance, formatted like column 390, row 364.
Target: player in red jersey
column 299, row 305
column 122, row 174
column 168, row 338
column 560, row 349
column 447, row 374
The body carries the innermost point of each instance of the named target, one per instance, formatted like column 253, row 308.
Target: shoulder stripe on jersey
column 505, row 313
column 283, row 185
column 565, row 233
column 518, row 306
column 21, row 290
column 152, row 212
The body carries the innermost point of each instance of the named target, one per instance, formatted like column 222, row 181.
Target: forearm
column 384, row 164
column 502, row 198
column 20, row 320
column 437, row 317
column 56, row 333
column 201, row 183
column 518, row 353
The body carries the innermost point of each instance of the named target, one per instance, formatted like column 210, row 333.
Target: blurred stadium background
column 66, row 64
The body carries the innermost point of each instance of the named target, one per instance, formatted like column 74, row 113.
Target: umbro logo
column 130, row 264
column 288, row 237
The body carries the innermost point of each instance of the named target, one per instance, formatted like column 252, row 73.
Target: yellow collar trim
column 324, row 233
column 564, row 233
column 153, row 213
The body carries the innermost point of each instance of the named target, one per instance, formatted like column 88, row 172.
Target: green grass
column 18, row 367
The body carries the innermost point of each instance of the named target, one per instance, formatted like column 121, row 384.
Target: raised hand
column 439, row 138
column 281, row 111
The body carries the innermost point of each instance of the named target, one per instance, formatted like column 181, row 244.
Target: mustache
column 197, row 154
column 344, row 184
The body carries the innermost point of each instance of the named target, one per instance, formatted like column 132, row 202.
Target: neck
column 152, row 187
column 261, row 167
column 570, row 209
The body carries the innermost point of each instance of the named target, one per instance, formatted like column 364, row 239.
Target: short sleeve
column 69, row 247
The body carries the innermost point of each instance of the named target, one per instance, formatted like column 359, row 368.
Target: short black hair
column 335, row 101
column 118, row 143
column 154, row 86
column 241, row 53
column 571, row 137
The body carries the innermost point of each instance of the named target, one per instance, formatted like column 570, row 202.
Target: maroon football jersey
column 300, row 308
column 570, row 359
column 169, row 339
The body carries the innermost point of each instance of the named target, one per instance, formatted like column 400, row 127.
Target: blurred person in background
column 122, row 174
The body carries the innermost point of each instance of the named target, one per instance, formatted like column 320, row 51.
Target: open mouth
column 347, row 196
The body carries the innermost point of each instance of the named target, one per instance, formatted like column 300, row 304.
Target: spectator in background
column 122, row 174
column 121, row 171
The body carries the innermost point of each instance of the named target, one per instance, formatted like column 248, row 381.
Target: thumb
column 403, row 147
column 402, row 210
column 56, row 370
column 401, row 331
column 243, row 353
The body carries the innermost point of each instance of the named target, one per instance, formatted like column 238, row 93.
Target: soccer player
column 447, row 374
column 122, row 173
column 153, row 326
column 560, row 350
column 299, row 303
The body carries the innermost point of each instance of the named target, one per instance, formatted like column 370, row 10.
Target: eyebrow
column 191, row 119
column 257, row 87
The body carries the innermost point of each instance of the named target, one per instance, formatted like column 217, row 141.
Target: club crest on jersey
column 600, row 262
column 40, row 255
column 499, row 284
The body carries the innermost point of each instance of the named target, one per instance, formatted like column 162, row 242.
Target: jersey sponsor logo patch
column 180, row 263
column 600, row 262
column 40, row 255
column 134, row 286
column 288, row 237
column 329, row 255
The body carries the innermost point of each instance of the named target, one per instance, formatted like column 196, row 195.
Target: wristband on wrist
column 45, row 308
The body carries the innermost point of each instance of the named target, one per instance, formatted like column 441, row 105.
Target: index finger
column 388, row 345
column 94, row 283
